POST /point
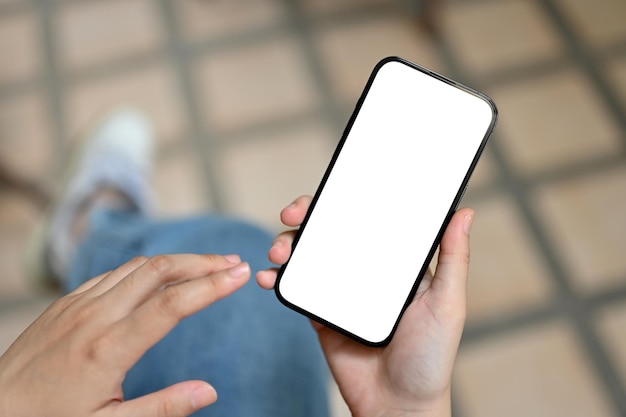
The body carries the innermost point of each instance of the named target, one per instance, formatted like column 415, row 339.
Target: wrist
column 440, row 407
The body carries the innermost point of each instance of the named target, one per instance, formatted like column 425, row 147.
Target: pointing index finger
column 156, row 317
column 161, row 271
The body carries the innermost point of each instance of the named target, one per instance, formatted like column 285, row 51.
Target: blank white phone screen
column 401, row 167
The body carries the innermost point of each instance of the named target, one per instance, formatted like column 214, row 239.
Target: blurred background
column 250, row 97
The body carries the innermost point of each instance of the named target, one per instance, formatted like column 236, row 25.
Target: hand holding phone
column 391, row 188
column 412, row 374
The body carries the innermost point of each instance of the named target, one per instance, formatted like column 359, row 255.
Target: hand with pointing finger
column 412, row 375
column 73, row 359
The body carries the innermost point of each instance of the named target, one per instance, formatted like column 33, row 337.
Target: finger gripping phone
column 388, row 194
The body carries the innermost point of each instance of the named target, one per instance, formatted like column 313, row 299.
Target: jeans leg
column 262, row 358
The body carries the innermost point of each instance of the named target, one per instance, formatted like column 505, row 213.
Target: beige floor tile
column 25, row 141
column 13, row 322
column 19, row 47
column 321, row 7
column 611, row 324
column 600, row 22
column 180, row 186
column 493, row 35
column 554, row 121
column 17, row 220
column 585, row 221
column 201, row 20
column 507, row 274
column 349, row 52
column 264, row 175
column 617, row 77
column 255, row 84
column 538, row 371
column 92, row 33
column 153, row 90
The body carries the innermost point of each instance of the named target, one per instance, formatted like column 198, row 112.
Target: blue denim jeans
column 262, row 358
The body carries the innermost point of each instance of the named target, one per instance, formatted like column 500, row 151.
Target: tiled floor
column 249, row 98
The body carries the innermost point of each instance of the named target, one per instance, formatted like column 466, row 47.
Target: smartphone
column 393, row 184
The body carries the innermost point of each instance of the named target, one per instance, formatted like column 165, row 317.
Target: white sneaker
column 117, row 154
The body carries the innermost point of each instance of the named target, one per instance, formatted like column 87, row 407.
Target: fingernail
column 233, row 258
column 202, row 396
column 467, row 225
column 239, row 271
column 278, row 244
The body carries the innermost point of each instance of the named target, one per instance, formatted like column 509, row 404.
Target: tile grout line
column 616, row 50
column 51, row 81
column 608, row 297
column 17, row 88
column 572, row 172
column 585, row 60
column 113, row 68
column 188, row 50
column 7, row 9
column 524, row 72
column 10, row 305
column 202, row 141
column 487, row 328
column 302, row 28
column 576, row 171
column 47, row 82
